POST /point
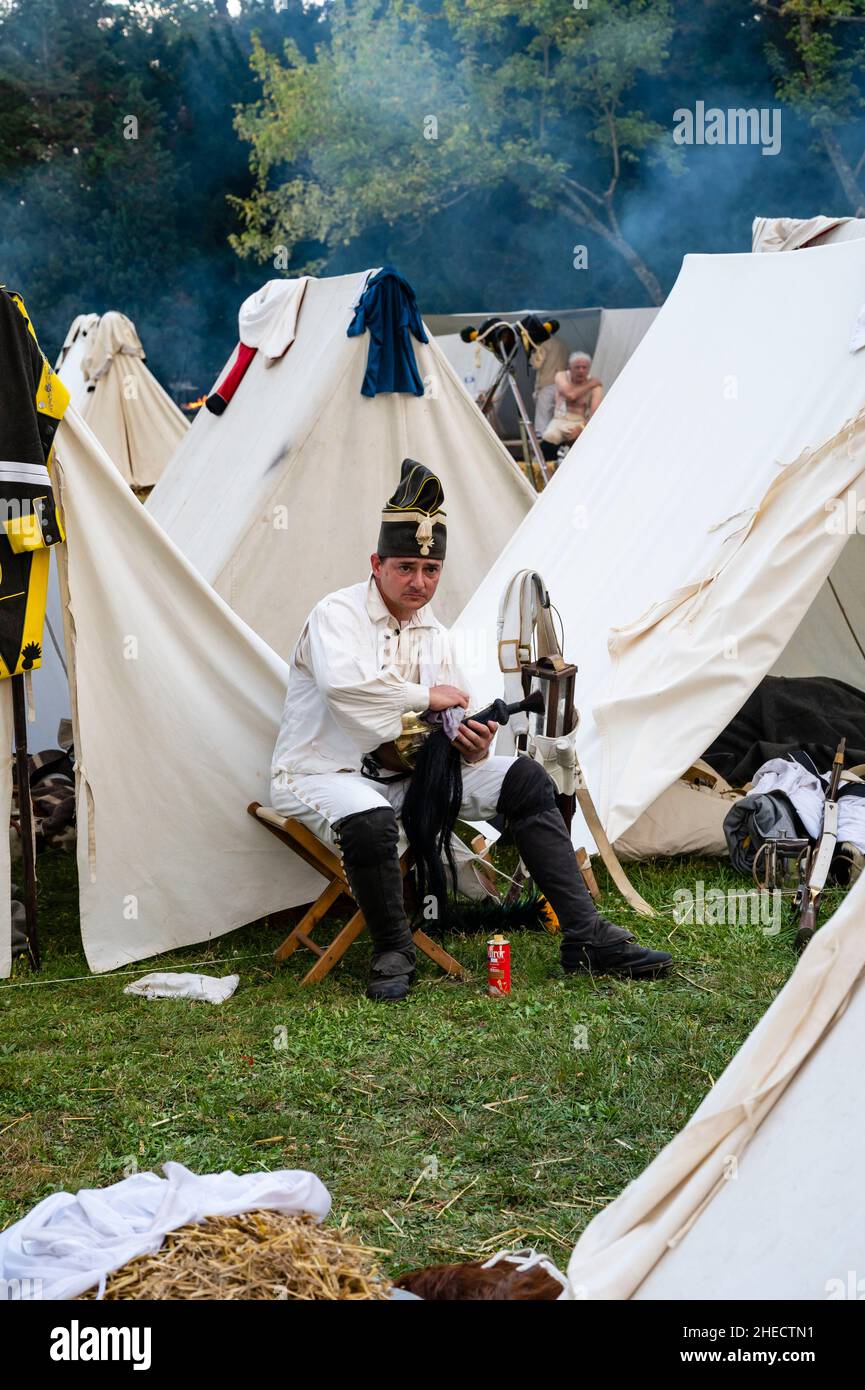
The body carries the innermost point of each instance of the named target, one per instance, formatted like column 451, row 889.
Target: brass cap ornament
column 413, row 523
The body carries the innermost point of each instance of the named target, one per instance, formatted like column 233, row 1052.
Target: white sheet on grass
column 67, row 1244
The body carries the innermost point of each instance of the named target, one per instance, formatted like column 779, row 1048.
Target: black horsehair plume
column 484, row 916
column 432, row 803
column 429, row 814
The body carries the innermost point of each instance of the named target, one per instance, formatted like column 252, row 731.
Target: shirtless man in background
column 578, row 396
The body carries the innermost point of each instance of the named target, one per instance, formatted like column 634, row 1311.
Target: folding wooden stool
column 298, row 838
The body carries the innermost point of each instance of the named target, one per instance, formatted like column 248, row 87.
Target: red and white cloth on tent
column 268, row 319
column 267, row 322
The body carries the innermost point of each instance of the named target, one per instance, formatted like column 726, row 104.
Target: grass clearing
column 444, row 1128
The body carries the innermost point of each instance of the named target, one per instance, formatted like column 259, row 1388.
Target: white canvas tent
column 175, row 712
column 836, row 615
column 692, row 544
column 276, row 501
column 759, row 1196
column 686, row 539
column 102, row 365
column 70, row 360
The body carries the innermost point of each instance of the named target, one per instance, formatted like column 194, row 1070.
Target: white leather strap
column 525, row 631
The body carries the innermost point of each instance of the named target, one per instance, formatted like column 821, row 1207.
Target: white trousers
column 320, row 799
column 563, row 429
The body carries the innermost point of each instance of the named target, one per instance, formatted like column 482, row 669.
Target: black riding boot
column 368, row 841
column 589, row 942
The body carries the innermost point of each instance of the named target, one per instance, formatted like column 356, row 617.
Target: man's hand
column 446, row 696
column 474, row 739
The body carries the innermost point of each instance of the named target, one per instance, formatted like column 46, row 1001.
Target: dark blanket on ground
column 786, row 713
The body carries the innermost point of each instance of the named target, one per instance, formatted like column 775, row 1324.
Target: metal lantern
column 554, row 678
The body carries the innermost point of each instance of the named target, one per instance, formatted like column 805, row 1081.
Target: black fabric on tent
column 786, row 713
column 21, row 436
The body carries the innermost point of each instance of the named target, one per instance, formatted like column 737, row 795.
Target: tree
column 96, row 213
column 87, row 176
column 408, row 109
column 818, row 65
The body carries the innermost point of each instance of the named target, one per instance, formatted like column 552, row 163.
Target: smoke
column 143, row 227
column 498, row 250
column 91, row 220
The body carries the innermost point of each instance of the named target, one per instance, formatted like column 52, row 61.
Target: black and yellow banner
column 32, row 403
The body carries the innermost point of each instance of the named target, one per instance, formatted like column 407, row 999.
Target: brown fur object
column 503, row 1281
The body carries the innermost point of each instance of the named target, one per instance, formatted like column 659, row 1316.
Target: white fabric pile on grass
column 67, row 1243
column 169, row 984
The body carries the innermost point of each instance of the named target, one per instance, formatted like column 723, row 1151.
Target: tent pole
column 530, row 429
column 507, row 370
column 485, row 405
column 25, row 817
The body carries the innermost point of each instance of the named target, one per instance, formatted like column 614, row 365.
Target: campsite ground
column 444, row 1128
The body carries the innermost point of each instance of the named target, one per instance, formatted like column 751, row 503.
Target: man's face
column 407, row 583
column 579, row 371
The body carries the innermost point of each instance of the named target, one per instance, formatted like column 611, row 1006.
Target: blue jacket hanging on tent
column 388, row 312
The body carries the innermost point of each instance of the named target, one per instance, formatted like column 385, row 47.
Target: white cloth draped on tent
column 267, row 320
column 792, row 233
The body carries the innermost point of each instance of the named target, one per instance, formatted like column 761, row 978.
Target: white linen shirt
column 355, row 670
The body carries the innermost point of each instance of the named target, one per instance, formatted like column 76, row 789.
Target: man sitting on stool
column 368, row 655
column 578, row 396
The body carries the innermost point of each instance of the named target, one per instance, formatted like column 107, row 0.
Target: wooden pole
column 530, row 429
column 25, row 816
column 507, row 370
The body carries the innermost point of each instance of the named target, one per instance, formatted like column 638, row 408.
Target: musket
column 816, row 870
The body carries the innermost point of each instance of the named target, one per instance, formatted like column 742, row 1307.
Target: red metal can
column 498, row 966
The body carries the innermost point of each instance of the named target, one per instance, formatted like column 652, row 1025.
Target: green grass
column 523, row 1134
